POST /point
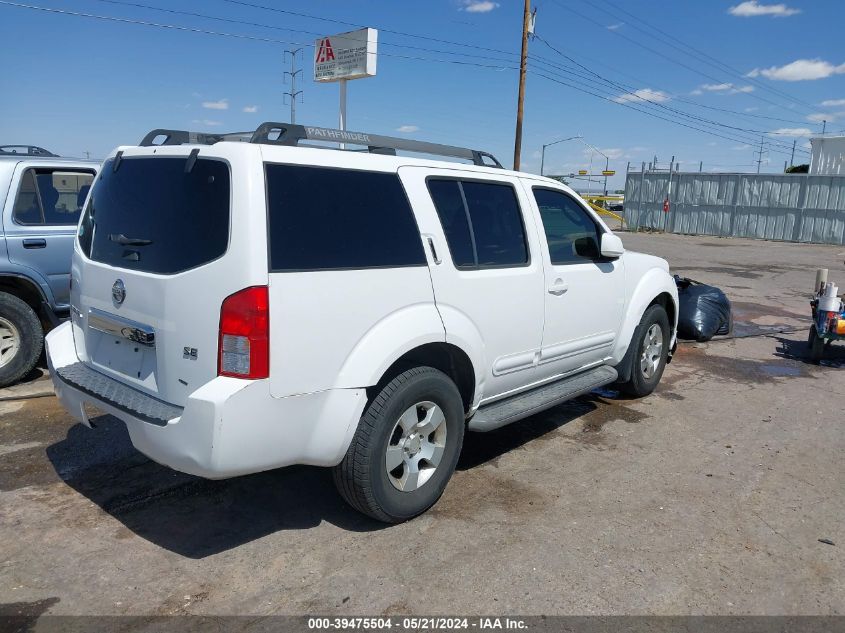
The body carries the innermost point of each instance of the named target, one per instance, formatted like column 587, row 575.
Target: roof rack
column 271, row 133
column 25, row 150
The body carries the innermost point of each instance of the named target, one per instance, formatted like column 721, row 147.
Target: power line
column 699, row 54
column 205, row 16
column 685, row 100
column 658, row 53
column 277, row 41
column 241, row 36
column 647, row 112
column 312, row 33
column 647, row 102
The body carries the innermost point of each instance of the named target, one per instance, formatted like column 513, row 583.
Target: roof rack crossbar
column 272, row 133
column 25, row 150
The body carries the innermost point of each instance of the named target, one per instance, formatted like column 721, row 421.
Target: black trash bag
column 704, row 311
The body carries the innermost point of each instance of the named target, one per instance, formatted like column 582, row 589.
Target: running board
column 522, row 405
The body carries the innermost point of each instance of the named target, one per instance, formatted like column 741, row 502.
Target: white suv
column 243, row 306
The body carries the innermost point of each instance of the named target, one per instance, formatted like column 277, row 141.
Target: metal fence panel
column 790, row 207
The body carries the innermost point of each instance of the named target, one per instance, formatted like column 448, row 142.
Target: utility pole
column 526, row 27
column 293, row 93
column 760, row 157
column 792, row 158
column 824, row 127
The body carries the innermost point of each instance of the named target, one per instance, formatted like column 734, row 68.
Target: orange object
column 839, row 326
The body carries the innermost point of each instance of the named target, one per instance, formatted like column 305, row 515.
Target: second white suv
column 243, row 306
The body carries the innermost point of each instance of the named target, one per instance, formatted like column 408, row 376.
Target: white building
column 828, row 156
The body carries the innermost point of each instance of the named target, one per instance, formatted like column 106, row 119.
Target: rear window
column 154, row 216
column 323, row 219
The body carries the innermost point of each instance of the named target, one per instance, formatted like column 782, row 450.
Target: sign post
column 345, row 56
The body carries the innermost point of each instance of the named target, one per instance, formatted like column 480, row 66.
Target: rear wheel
column 650, row 344
column 405, row 448
column 21, row 339
column 816, row 345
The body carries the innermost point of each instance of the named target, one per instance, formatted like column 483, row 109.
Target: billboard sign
column 349, row 55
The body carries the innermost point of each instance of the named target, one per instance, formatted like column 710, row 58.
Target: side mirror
column 611, row 246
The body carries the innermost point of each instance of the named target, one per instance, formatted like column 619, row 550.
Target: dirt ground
column 709, row 497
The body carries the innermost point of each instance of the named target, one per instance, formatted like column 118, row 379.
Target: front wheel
column 651, row 349
column 405, row 448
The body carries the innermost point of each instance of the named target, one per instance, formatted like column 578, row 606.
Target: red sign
column 666, row 205
column 325, row 53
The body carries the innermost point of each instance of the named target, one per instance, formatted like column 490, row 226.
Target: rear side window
column 155, row 216
column 482, row 222
column 51, row 197
column 323, row 219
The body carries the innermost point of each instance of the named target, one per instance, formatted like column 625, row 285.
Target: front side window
column 322, row 219
column 51, row 197
column 482, row 222
column 572, row 235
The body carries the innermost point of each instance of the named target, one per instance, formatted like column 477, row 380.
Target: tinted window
column 51, row 197
column 453, row 217
column 496, row 224
column 572, row 235
column 334, row 218
column 151, row 215
column 487, row 230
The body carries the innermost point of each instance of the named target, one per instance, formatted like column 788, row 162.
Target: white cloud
column 613, row 27
column 820, row 117
column 752, row 8
column 223, row 104
column 407, row 129
column 643, row 94
column 207, row 122
column 832, row 103
column 740, row 148
column 479, row 6
column 800, row 70
column 250, row 109
column 716, row 87
column 791, row 131
column 753, row 109
column 697, row 92
column 725, row 88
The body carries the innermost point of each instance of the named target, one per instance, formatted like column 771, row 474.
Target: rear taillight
column 244, row 347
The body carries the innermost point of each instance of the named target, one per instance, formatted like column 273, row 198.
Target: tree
column 798, row 169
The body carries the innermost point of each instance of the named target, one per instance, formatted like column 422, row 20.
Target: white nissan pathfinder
column 243, row 306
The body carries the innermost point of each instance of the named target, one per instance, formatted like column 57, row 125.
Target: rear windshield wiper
column 121, row 239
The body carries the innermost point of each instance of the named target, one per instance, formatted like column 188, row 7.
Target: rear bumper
column 228, row 426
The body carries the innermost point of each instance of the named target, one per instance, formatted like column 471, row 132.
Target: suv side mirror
column 611, row 246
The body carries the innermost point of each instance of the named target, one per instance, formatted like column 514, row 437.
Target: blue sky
column 79, row 84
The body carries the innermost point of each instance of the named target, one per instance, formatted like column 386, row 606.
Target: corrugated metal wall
column 790, row 207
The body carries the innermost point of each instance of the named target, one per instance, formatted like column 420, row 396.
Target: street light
column 606, row 162
column 543, row 153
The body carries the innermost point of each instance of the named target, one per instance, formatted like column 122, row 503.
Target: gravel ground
column 709, row 497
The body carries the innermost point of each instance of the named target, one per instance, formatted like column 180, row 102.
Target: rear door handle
column 558, row 288
column 35, row 243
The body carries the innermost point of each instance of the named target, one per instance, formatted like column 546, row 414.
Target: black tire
column 640, row 385
column 362, row 477
column 816, row 345
column 18, row 319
